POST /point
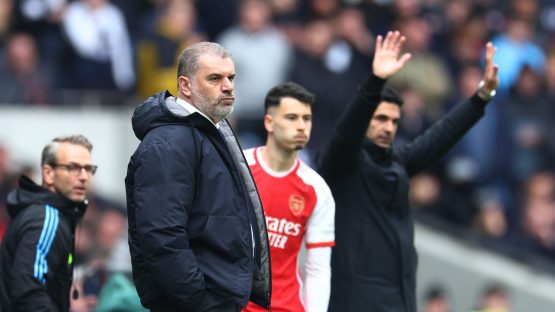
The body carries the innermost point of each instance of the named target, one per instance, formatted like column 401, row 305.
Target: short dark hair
column 390, row 95
column 288, row 89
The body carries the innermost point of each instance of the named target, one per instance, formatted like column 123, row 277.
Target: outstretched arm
column 437, row 140
column 340, row 155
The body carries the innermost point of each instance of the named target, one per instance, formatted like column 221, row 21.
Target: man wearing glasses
column 36, row 257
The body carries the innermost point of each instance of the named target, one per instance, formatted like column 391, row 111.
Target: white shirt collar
column 191, row 109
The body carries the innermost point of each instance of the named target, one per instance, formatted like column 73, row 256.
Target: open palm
column 386, row 57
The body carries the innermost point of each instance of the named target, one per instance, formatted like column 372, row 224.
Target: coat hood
column 30, row 193
column 158, row 110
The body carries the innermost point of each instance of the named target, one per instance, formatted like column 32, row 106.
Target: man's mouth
column 228, row 100
column 80, row 189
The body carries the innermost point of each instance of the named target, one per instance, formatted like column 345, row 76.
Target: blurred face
column 71, row 184
column 254, row 15
column 384, row 124
column 289, row 124
column 211, row 88
column 317, row 38
column 22, row 54
column 180, row 17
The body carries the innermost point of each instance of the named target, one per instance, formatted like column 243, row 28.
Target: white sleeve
column 320, row 229
column 316, row 290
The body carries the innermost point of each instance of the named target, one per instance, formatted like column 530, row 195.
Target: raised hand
column 386, row 57
column 491, row 80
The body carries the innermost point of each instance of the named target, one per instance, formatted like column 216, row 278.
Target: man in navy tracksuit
column 197, row 232
column 36, row 257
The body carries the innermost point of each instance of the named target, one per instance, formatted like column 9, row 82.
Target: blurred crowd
column 497, row 187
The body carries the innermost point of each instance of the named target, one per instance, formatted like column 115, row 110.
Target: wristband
column 483, row 94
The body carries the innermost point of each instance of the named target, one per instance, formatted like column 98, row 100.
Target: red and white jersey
column 299, row 206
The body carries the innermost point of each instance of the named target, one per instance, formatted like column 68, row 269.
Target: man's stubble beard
column 211, row 109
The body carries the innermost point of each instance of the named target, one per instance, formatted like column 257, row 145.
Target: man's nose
column 390, row 126
column 83, row 174
column 227, row 85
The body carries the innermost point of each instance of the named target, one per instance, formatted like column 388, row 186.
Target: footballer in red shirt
column 297, row 203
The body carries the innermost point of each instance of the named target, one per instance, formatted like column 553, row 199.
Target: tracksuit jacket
column 36, row 257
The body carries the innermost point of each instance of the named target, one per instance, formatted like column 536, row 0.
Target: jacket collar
column 382, row 156
column 29, row 193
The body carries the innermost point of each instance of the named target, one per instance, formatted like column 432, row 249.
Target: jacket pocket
column 223, row 237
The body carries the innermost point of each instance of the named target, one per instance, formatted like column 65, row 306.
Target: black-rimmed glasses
column 75, row 169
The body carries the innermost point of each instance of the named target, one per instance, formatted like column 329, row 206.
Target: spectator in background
column 465, row 43
column 491, row 219
column 350, row 26
column 534, row 234
column 6, row 13
column 414, row 121
column 23, row 79
column 322, row 9
column 436, row 300
column 42, row 19
column 480, row 147
column 494, row 298
column 262, row 56
column 101, row 55
column 528, row 118
column 407, row 8
column 424, row 63
column 517, row 48
column 286, row 11
column 101, row 252
column 330, row 72
column 216, row 16
column 550, row 73
column 37, row 251
column 157, row 53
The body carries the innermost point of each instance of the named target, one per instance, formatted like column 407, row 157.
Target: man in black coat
column 36, row 258
column 197, row 232
column 374, row 261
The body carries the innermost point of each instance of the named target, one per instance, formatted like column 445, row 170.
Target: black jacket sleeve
column 164, row 191
column 437, row 140
column 341, row 153
column 35, row 252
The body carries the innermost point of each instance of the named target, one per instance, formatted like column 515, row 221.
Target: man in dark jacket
column 36, row 257
column 197, row 233
column 374, row 261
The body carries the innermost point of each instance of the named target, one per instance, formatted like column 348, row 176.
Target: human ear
column 184, row 84
column 268, row 123
column 47, row 175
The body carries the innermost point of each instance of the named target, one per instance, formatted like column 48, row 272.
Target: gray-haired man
column 197, row 233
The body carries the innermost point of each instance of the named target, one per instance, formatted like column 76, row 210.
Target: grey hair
column 50, row 150
column 189, row 59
